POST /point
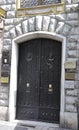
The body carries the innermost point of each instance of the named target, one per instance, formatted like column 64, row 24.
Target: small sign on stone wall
column 4, row 78
column 70, row 69
column 70, row 65
column 69, row 76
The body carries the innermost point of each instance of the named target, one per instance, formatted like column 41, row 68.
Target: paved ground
column 14, row 126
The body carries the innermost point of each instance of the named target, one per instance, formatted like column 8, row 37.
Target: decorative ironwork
column 29, row 3
column 37, row 7
column 32, row 3
column 46, row 2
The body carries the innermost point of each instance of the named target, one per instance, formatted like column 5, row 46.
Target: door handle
column 50, row 88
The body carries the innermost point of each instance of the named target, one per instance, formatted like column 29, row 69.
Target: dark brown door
column 39, row 72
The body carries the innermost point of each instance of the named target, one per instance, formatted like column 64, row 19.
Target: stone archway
column 36, row 27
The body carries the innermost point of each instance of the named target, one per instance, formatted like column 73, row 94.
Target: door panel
column 28, row 81
column 39, row 72
column 50, row 80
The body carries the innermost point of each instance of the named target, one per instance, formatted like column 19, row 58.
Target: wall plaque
column 70, row 76
column 4, row 80
column 70, row 65
column 4, row 77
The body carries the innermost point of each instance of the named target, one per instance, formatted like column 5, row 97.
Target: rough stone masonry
column 67, row 25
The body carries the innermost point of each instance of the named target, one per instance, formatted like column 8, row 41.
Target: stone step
column 49, row 128
column 15, row 126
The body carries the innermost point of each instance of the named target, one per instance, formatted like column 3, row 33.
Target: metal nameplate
column 70, row 65
column 4, row 80
column 70, row 76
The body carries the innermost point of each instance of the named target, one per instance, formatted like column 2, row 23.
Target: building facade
column 40, row 63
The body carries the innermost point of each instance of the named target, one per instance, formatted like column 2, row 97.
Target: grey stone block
column 6, row 7
column 7, row 41
column 75, row 30
column 13, row 33
column 8, row 22
column 38, row 23
column 4, row 102
column 69, row 84
column 77, row 76
column 71, row 92
column 72, row 53
column 75, row 1
column 71, row 100
column 46, row 21
column 52, row 26
column 3, row 2
column 61, row 17
column 6, row 35
column 4, row 89
column 66, row 30
column 72, row 22
column 3, row 114
column 10, row 1
column 17, row 20
column 4, row 96
column 25, row 26
column 73, row 38
column 19, row 29
column 31, row 24
column 72, row 45
column 71, row 120
column 71, row 8
column 8, row 27
column 13, row 7
column 72, row 16
column 59, row 27
column 77, row 46
column 11, row 14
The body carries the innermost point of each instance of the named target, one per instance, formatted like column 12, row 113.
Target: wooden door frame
column 14, row 65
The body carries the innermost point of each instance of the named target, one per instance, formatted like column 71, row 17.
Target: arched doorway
column 39, row 78
column 14, row 69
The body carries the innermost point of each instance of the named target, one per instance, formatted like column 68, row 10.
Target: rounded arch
column 55, row 24
column 14, row 65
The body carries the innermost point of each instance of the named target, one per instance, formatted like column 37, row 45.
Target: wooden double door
column 39, row 73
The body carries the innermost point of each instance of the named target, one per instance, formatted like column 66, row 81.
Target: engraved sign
column 70, row 65
column 69, row 76
column 4, row 80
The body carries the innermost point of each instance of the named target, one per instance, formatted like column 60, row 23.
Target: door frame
column 14, row 66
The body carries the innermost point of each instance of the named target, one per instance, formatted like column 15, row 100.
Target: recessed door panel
column 39, row 72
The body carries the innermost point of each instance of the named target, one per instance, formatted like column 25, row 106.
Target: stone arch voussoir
column 40, row 23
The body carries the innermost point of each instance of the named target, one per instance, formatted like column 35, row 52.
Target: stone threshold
column 34, row 123
column 28, row 125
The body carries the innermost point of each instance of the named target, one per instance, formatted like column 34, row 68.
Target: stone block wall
column 1, row 32
column 66, row 24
